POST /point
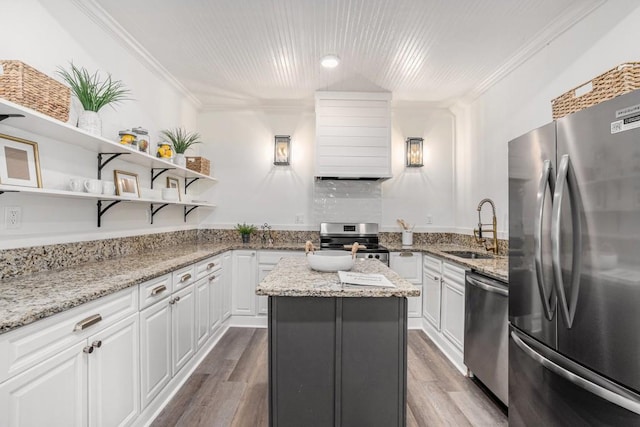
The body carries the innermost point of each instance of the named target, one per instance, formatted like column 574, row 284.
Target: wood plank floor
column 229, row 388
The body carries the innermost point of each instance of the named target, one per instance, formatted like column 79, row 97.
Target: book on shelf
column 364, row 279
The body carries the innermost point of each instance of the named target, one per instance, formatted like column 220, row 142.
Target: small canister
column 143, row 139
column 127, row 137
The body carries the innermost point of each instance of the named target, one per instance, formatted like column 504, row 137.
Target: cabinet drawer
column 208, row 266
column 25, row 347
column 272, row 257
column 155, row 290
column 453, row 273
column 432, row 264
column 183, row 277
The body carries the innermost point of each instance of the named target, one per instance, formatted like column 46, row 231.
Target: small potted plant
column 181, row 140
column 246, row 231
column 93, row 93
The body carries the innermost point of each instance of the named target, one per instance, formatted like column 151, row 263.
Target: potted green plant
column 93, row 93
column 246, row 231
column 181, row 141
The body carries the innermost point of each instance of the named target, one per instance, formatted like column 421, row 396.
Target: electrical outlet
column 429, row 219
column 299, row 218
column 12, row 217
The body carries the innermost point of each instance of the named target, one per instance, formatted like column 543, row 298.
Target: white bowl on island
column 330, row 261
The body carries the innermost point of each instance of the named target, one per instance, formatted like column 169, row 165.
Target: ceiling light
column 330, row 61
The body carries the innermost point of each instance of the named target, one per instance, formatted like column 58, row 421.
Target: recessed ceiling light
column 330, row 61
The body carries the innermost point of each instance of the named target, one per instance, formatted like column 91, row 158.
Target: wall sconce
column 414, row 152
column 282, row 150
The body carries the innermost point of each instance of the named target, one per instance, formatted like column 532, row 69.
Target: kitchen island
column 337, row 353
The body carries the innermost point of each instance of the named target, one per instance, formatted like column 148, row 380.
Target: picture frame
column 126, row 184
column 19, row 162
column 174, row 183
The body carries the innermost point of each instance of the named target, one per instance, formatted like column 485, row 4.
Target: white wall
column 50, row 34
column 522, row 101
column 251, row 189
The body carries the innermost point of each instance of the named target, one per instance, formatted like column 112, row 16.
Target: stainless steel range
column 338, row 235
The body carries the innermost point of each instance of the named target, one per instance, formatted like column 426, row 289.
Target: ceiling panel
column 260, row 51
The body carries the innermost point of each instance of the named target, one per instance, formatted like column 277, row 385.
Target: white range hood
column 353, row 135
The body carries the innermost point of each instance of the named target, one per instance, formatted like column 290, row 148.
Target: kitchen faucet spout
column 477, row 232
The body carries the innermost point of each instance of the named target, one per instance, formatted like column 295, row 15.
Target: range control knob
column 377, row 256
column 370, row 256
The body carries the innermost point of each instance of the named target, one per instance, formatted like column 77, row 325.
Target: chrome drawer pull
column 406, row 254
column 159, row 289
column 212, row 278
column 84, row 324
column 211, row 265
column 185, row 277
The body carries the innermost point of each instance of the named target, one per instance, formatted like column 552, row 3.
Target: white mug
column 108, row 188
column 93, row 186
column 76, row 184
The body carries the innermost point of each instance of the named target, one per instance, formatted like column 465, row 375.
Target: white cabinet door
column 53, row 393
column 414, row 304
column 244, row 283
column 114, row 375
column 183, row 340
column 216, row 283
column 203, row 302
column 263, row 302
column 155, row 350
column 453, row 304
column 431, row 297
column 407, row 265
column 226, row 285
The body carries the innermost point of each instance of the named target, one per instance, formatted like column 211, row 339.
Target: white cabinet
column 227, row 283
column 244, row 283
column 431, row 291
column 155, row 349
column 216, row 295
column 267, row 260
column 409, row 266
column 114, row 394
column 263, row 302
column 353, row 134
column 203, row 310
column 183, row 344
column 53, row 393
column 453, row 278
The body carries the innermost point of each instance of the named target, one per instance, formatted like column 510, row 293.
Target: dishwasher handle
column 487, row 286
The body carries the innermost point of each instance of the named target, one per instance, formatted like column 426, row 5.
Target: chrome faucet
column 477, row 232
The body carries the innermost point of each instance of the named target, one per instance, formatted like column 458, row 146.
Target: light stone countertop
column 292, row 277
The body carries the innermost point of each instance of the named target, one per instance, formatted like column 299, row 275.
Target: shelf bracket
column 106, row 208
column 188, row 182
column 102, row 164
column 188, row 210
column 155, row 211
column 6, row 116
column 155, row 175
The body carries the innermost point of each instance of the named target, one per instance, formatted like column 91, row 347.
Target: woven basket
column 620, row 80
column 199, row 164
column 24, row 85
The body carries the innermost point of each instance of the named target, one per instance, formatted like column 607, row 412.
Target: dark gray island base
column 337, row 361
column 337, row 354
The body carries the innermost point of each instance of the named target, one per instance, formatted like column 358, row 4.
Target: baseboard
column 414, row 323
column 248, row 321
column 149, row 414
column 452, row 353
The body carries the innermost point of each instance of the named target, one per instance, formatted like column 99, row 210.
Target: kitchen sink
column 469, row 254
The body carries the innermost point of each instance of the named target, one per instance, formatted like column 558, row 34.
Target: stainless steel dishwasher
column 486, row 332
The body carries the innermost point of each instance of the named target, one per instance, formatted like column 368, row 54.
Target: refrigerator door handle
column 610, row 394
column 546, row 179
column 567, row 177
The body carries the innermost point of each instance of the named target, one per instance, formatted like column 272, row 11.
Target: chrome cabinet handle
column 212, row 278
column 97, row 344
column 610, row 393
column 436, row 278
column 211, row 265
column 85, row 323
column 546, row 179
column 159, row 289
column 566, row 177
column 406, row 254
column 88, row 349
column 185, row 277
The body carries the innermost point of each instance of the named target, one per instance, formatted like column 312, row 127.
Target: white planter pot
column 90, row 121
column 180, row 160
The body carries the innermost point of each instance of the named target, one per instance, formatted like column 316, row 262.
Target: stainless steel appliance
column 337, row 235
column 486, row 332
column 574, row 269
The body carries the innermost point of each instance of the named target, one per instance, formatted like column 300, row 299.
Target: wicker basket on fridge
column 619, row 80
column 199, row 164
column 26, row 86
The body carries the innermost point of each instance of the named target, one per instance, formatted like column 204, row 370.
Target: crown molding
column 105, row 21
column 552, row 31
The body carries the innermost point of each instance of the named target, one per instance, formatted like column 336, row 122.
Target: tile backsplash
column 347, row 201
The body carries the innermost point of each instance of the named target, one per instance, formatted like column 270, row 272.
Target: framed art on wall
column 126, row 184
column 19, row 162
column 174, row 183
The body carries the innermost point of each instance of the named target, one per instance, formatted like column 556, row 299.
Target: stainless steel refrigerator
column 574, row 269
